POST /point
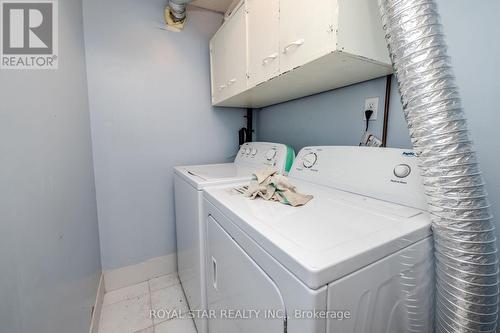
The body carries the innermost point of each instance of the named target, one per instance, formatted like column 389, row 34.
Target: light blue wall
column 473, row 31
column 49, row 242
column 150, row 108
column 332, row 118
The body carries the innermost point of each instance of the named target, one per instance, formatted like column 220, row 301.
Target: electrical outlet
column 371, row 103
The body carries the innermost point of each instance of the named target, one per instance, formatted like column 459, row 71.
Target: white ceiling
column 215, row 5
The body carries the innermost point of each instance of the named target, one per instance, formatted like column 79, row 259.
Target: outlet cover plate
column 371, row 103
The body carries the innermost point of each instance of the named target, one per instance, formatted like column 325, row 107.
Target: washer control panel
column 265, row 155
column 382, row 173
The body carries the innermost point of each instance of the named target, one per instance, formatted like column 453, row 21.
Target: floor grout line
column 151, row 306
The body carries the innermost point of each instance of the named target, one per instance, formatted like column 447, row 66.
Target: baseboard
column 130, row 275
column 96, row 313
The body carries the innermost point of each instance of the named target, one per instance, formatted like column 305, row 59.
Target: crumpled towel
column 270, row 185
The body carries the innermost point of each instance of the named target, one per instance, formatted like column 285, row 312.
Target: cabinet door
column 235, row 58
column 263, row 40
column 236, row 283
column 306, row 31
column 218, row 66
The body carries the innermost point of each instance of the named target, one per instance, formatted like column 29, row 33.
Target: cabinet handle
column 266, row 60
column 297, row 43
column 222, row 87
column 232, row 81
column 214, row 273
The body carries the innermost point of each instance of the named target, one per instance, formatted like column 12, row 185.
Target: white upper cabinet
column 263, row 40
column 218, row 67
column 271, row 51
column 228, row 57
column 306, row 31
column 360, row 30
column 235, row 57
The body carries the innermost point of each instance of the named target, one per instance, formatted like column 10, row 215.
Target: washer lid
column 335, row 234
column 200, row 176
column 210, row 172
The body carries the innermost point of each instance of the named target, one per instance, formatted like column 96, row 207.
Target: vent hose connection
column 464, row 235
column 178, row 9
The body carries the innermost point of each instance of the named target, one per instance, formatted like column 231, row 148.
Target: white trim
column 96, row 313
column 130, row 275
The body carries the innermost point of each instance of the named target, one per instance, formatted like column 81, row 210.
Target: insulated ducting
column 178, row 9
column 464, row 236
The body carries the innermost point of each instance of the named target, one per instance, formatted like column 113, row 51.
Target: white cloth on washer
column 269, row 185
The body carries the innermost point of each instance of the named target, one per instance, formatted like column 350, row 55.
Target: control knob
column 402, row 170
column 309, row 160
column 271, row 153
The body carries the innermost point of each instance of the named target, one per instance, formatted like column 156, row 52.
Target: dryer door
column 240, row 294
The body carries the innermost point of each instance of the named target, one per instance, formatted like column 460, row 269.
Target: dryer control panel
column 266, row 155
column 382, row 173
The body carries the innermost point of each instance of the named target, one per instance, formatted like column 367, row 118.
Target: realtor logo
column 29, row 34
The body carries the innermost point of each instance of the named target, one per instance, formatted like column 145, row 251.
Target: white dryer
column 190, row 223
column 356, row 258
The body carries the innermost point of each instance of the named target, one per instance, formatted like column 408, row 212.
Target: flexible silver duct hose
column 465, row 243
column 178, row 9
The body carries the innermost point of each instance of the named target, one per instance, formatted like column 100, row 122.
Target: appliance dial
column 309, row 160
column 247, row 151
column 254, row 151
column 271, row 153
column 402, row 170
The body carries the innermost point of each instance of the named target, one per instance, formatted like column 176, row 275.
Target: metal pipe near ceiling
column 464, row 234
column 178, row 9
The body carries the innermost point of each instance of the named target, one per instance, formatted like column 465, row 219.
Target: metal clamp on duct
column 175, row 14
column 465, row 243
column 178, row 9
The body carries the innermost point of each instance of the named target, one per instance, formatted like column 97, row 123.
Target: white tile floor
column 128, row 310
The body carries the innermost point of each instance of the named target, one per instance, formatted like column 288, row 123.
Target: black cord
column 242, row 135
column 368, row 115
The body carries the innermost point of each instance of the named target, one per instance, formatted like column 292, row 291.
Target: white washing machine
column 356, row 258
column 190, row 223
